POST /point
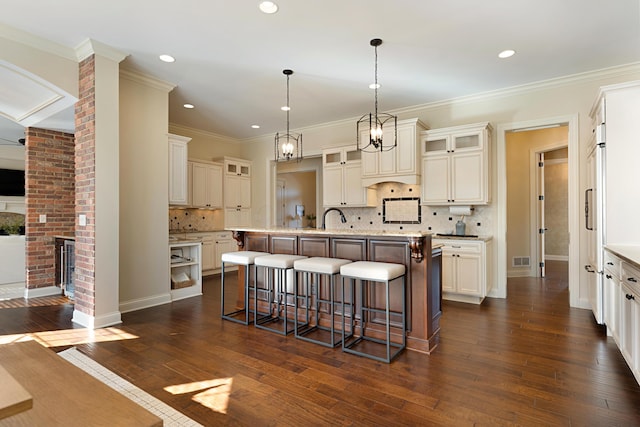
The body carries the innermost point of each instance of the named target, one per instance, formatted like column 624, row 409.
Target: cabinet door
column 223, row 246
column 612, row 305
column 214, row 179
column 332, row 186
column 199, row 195
column 406, row 152
column 237, row 192
column 448, row 272
column 178, row 189
column 353, row 192
column 467, row 141
column 469, row 273
column 629, row 307
column 467, row 177
column 237, row 217
column 435, row 179
column 435, row 145
column 208, row 254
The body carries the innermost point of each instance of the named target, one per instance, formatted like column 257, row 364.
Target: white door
column 540, row 203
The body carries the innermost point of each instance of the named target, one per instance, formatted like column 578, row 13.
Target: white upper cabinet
column 401, row 164
column 206, row 184
column 237, row 192
column 341, row 179
column 178, row 174
column 455, row 165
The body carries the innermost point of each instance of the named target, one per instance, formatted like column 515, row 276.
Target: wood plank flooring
column 527, row 360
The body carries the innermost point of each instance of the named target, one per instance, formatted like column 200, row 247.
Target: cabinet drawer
column 459, row 246
column 612, row 264
column 222, row 235
column 631, row 277
column 206, row 237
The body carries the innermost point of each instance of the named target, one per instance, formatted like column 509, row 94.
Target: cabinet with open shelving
column 186, row 269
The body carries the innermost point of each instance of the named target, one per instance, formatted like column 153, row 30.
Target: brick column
column 49, row 184
column 85, row 189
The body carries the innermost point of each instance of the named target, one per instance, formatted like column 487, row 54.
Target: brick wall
column 85, row 189
column 49, row 190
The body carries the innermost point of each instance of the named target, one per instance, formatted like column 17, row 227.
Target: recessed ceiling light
column 189, row 106
column 285, row 108
column 255, row 126
column 374, row 86
column 506, row 53
column 167, row 58
column 268, row 7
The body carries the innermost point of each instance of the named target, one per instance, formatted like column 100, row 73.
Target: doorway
column 510, row 249
column 296, row 184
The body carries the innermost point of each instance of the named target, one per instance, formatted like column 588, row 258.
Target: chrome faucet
column 343, row 219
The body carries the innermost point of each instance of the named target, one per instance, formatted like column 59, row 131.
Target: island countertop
column 412, row 249
column 333, row 232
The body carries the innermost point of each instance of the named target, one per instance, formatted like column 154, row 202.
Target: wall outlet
column 82, row 219
column 42, row 219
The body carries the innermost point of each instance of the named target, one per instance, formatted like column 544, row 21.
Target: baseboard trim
column 141, row 303
column 519, row 273
column 42, row 292
column 96, row 322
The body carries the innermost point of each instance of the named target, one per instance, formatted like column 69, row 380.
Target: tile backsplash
column 434, row 219
column 195, row 220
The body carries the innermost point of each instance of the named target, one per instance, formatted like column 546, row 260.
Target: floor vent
column 521, row 261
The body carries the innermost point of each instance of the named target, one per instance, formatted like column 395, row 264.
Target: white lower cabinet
column 622, row 308
column 214, row 244
column 466, row 269
column 224, row 242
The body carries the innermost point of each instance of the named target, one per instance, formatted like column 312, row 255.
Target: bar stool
column 317, row 268
column 246, row 259
column 276, row 272
column 369, row 273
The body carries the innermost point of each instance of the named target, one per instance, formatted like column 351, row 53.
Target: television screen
column 11, row 182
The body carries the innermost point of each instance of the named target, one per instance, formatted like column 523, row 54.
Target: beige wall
column 207, row 146
column 144, row 189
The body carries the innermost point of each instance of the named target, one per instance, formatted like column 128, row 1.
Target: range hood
column 402, row 179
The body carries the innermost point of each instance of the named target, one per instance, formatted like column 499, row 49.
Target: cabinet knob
column 632, row 279
column 630, row 297
column 609, row 263
column 608, row 276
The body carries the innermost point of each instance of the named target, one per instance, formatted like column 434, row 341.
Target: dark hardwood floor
column 527, row 360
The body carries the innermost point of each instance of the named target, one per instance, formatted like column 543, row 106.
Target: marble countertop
column 630, row 253
column 195, row 231
column 333, row 232
column 481, row 238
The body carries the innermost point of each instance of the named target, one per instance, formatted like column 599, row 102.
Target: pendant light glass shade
column 288, row 146
column 372, row 127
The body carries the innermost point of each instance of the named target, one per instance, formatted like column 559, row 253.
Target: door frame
column 534, row 178
column 500, row 218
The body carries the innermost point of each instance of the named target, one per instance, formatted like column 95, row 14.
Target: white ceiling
column 230, row 56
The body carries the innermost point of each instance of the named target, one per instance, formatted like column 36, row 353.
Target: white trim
column 500, row 290
column 146, row 80
column 556, row 257
column 176, row 128
column 523, row 272
column 92, row 322
column 93, row 47
column 140, row 303
column 42, row 292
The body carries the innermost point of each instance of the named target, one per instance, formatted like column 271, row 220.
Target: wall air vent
column 521, row 261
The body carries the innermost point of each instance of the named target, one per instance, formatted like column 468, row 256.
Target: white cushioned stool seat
column 318, row 306
column 241, row 257
column 369, row 270
column 277, row 260
column 371, row 314
column 277, row 304
column 320, row 265
column 239, row 313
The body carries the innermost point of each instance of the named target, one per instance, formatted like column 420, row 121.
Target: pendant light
column 371, row 126
column 288, row 146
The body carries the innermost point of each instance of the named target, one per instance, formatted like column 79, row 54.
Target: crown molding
column 28, row 39
column 146, row 79
column 90, row 47
column 572, row 79
column 176, row 128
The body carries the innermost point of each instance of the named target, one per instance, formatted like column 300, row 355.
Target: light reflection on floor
column 216, row 397
column 69, row 336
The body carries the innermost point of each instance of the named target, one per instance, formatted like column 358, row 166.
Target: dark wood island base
column 413, row 249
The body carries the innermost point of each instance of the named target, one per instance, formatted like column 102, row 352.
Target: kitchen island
column 412, row 249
